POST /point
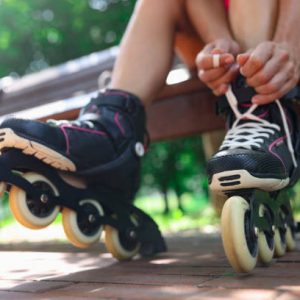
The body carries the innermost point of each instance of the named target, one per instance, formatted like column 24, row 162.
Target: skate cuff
column 121, row 100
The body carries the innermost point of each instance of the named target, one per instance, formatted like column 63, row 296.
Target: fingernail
column 242, row 72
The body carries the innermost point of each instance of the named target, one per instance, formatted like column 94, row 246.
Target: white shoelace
column 252, row 134
column 78, row 123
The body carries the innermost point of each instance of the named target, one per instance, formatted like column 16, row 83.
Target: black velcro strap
column 119, row 100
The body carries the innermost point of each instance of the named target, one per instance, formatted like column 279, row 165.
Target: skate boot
column 88, row 169
column 257, row 159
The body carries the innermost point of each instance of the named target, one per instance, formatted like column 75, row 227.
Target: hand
column 272, row 69
column 218, row 77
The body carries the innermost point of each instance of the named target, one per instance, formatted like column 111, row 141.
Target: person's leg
column 146, row 50
column 209, row 19
column 252, row 22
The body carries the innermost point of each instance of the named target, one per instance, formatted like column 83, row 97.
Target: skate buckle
column 139, row 149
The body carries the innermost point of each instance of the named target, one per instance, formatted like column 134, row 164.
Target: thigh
column 248, row 30
column 187, row 41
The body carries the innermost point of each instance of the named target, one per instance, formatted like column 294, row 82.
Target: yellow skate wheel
column 265, row 239
column 81, row 229
column 280, row 243
column 121, row 247
column 239, row 240
column 265, row 248
column 31, row 213
column 290, row 239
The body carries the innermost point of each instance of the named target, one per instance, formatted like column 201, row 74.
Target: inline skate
column 256, row 163
column 87, row 169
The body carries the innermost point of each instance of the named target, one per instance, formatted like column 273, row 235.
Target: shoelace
column 78, row 123
column 252, row 134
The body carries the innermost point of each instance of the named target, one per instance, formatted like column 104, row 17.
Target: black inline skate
column 87, row 169
column 258, row 158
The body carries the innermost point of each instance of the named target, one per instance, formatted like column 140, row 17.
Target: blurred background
column 37, row 34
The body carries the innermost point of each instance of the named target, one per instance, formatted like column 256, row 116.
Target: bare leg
column 252, row 21
column 209, row 19
column 147, row 48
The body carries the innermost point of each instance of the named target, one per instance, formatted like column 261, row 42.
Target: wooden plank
column 79, row 76
column 183, row 115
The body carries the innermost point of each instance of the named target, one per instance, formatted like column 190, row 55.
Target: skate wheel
column 290, row 239
column 29, row 212
column 120, row 246
column 280, row 243
column 81, row 229
column 239, row 240
column 265, row 248
column 265, row 239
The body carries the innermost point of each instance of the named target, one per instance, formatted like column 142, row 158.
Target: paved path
column 194, row 268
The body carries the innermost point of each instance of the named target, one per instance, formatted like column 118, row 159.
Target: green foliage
column 37, row 33
column 197, row 213
column 175, row 166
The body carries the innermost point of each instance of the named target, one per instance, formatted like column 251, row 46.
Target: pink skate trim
column 117, row 121
column 246, row 104
column 262, row 115
column 64, row 127
column 276, row 155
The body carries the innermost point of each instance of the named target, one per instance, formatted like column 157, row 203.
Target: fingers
column 253, row 62
column 270, row 70
column 265, row 99
column 218, row 80
column 208, row 61
column 215, row 63
column 277, row 87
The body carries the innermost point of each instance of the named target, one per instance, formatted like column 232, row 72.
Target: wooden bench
column 181, row 109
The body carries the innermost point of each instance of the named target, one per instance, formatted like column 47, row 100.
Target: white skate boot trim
column 242, row 179
column 251, row 134
column 9, row 139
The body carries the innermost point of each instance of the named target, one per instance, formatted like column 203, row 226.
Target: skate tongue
column 243, row 94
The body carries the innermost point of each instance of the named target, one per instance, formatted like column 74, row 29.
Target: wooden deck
column 194, row 268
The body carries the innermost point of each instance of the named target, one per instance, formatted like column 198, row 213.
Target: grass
column 197, row 212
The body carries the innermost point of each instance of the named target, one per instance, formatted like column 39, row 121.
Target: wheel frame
column 72, row 230
column 3, row 188
column 234, row 240
column 19, row 208
column 114, row 245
